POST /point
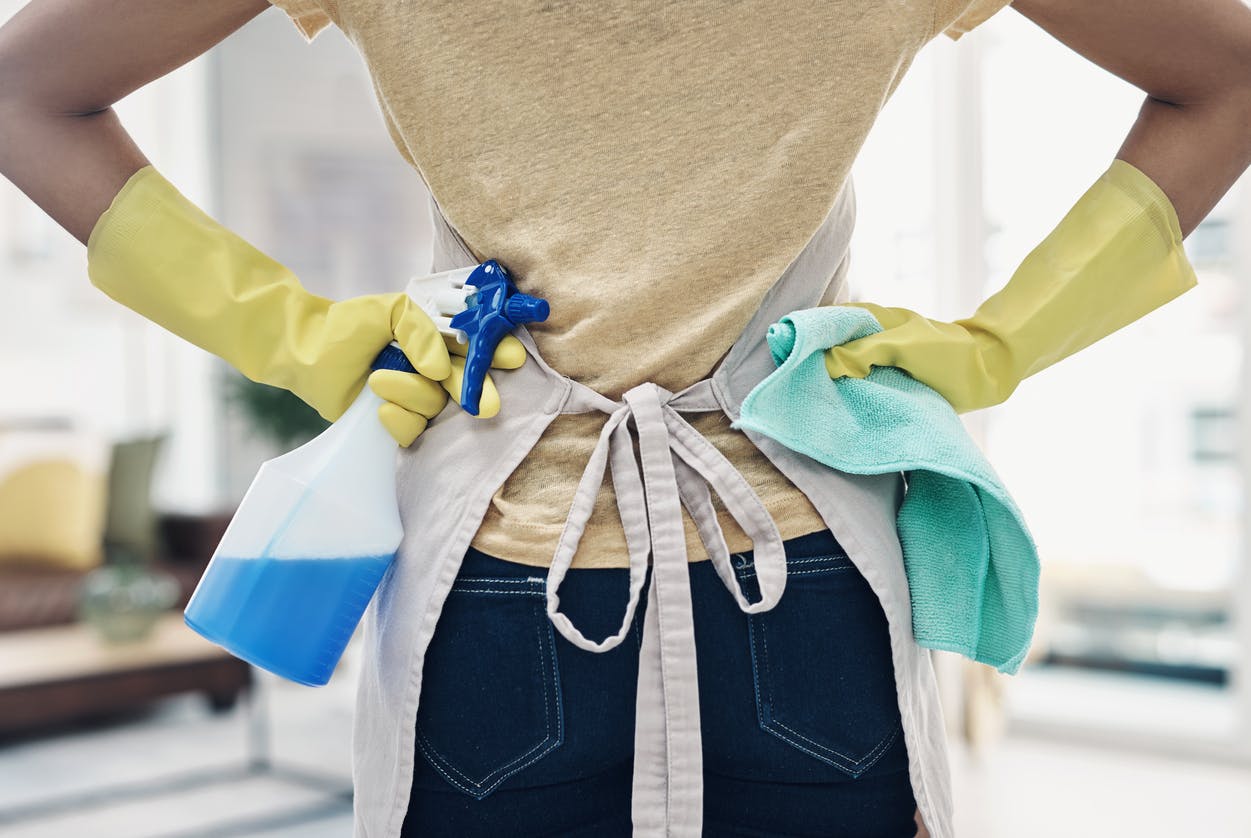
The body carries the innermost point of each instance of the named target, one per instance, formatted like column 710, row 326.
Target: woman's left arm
column 1193, row 60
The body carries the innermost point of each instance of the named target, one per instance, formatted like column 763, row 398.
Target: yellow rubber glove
column 157, row 253
column 1115, row 256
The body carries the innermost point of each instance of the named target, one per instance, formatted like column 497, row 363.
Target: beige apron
column 447, row 478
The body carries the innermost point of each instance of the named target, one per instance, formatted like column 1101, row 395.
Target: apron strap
column 678, row 467
column 628, row 487
column 667, row 795
column 771, row 573
column 742, row 502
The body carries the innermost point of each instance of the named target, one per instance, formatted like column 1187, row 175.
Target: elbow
column 1223, row 103
column 1218, row 77
column 33, row 86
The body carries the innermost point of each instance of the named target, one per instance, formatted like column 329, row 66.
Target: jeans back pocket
column 490, row 699
column 822, row 664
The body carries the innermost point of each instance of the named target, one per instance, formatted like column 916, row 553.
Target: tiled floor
column 1025, row 788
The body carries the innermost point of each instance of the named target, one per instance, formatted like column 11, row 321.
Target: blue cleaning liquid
column 292, row 617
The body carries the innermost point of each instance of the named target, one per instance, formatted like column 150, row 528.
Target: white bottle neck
column 369, row 440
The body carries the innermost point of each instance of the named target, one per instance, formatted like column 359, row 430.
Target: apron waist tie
column 677, row 465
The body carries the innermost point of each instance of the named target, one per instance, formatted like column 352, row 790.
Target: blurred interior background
column 123, row 451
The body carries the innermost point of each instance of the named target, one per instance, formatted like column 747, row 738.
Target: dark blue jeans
column 520, row 733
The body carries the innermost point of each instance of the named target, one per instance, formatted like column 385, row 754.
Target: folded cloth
column 971, row 563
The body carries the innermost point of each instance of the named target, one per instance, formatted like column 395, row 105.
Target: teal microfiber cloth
column 971, row 563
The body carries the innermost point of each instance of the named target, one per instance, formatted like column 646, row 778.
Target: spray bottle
column 320, row 525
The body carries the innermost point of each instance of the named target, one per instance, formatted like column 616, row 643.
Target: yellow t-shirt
column 648, row 167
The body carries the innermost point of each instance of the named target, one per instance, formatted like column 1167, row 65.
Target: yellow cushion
column 52, row 498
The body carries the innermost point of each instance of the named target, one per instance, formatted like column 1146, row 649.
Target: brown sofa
column 33, row 595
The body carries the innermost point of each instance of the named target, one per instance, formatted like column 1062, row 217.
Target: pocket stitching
column 808, row 572
column 801, row 559
column 477, row 580
column 747, row 570
column 811, row 559
column 852, row 766
column 859, row 767
column 494, row 591
column 550, row 679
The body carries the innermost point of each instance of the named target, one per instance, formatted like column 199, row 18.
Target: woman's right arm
column 64, row 63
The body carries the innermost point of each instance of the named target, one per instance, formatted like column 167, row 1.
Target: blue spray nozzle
column 522, row 308
column 497, row 308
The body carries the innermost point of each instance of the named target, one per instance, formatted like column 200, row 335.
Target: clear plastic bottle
column 316, row 531
column 320, row 525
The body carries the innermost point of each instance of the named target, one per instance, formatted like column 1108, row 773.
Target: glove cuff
column 160, row 255
column 120, row 225
column 1145, row 192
